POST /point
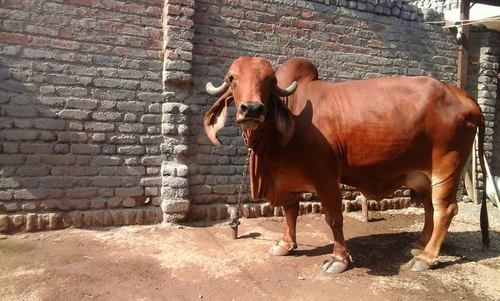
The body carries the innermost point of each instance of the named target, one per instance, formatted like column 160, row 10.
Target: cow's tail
column 483, row 220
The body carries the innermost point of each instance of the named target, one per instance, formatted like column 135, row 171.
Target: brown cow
column 373, row 134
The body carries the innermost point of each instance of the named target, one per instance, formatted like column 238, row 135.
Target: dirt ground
column 202, row 262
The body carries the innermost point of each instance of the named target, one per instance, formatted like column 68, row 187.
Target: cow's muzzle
column 251, row 115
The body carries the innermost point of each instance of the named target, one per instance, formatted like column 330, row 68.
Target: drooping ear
column 216, row 117
column 284, row 120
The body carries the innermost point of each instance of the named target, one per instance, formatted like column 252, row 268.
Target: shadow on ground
column 384, row 254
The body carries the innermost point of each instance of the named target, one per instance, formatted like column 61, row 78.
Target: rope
column 494, row 19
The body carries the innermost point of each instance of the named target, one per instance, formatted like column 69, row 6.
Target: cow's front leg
column 332, row 206
column 288, row 243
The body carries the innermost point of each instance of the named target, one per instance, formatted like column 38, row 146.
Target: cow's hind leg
column 444, row 209
column 332, row 206
column 425, row 235
column 421, row 186
column 288, row 243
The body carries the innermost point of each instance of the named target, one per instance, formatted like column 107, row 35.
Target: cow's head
column 251, row 84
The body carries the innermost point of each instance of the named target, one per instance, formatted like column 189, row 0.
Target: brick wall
column 102, row 101
column 80, row 115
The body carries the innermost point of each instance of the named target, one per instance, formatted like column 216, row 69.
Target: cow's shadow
column 386, row 254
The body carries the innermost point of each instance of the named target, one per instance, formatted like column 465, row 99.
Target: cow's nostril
column 259, row 109
column 244, row 108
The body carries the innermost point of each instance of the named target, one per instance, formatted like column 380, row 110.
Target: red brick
column 154, row 2
column 251, row 5
column 170, row 54
column 154, row 11
column 56, row 20
column 173, row 10
column 307, row 14
column 288, row 31
column 189, row 3
column 82, row 2
column 96, row 48
column 55, row 43
column 40, row 41
column 13, row 38
column 232, row 12
column 303, row 24
column 152, row 44
column 131, row 30
column 65, row 34
column 181, row 22
column 14, row 3
column 64, row 44
column 377, row 27
column 219, row 2
column 155, row 32
column 178, row 55
column 130, row 7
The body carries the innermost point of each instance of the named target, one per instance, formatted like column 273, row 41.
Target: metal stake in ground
column 234, row 211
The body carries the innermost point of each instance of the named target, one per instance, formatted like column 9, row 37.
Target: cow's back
column 382, row 127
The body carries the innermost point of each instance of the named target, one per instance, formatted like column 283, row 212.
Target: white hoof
column 282, row 248
column 335, row 266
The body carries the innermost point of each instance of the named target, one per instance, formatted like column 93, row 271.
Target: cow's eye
column 230, row 77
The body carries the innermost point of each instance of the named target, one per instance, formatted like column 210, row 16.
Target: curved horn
column 216, row 90
column 287, row 91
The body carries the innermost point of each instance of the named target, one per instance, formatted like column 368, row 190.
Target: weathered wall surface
column 439, row 6
column 352, row 40
column 80, row 115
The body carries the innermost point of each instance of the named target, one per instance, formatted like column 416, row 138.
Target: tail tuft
column 484, row 224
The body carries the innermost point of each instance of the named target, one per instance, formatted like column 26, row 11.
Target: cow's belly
column 292, row 182
column 377, row 187
column 285, row 186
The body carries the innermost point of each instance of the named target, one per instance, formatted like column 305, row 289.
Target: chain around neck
column 235, row 214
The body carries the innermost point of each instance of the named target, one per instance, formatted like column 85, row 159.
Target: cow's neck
column 262, row 150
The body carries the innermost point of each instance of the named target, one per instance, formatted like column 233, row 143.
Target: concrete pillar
column 177, row 49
